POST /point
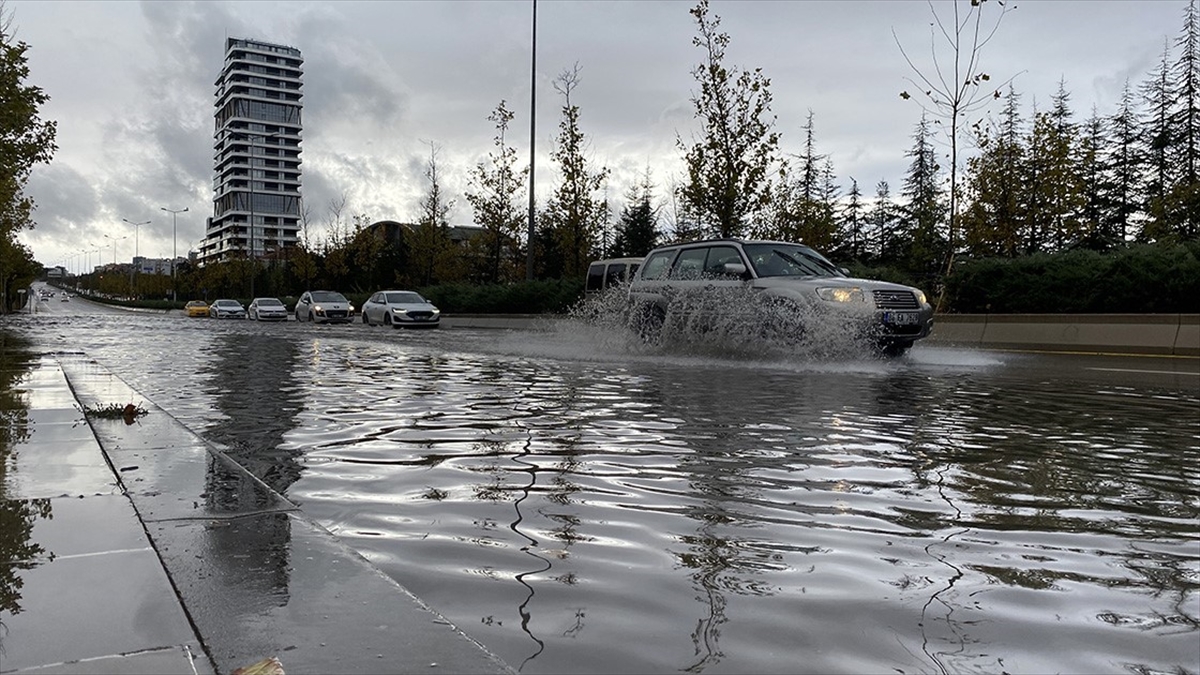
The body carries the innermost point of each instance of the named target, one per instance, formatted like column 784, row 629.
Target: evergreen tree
column 1123, row 194
column 1061, row 180
column 882, row 222
column 1158, row 93
column 637, row 230
column 574, row 214
column 993, row 217
column 823, row 232
column 1091, row 184
column 1183, row 199
column 922, row 233
column 729, row 166
column 496, row 187
column 803, row 207
column 852, row 223
column 1051, row 179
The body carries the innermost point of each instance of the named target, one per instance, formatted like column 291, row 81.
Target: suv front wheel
column 647, row 322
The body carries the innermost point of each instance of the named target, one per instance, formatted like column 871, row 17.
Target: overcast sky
column 131, row 87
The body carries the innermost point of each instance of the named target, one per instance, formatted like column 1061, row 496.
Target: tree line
column 1039, row 181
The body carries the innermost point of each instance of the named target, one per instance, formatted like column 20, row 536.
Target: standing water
column 580, row 501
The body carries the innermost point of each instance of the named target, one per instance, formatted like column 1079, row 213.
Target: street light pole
column 114, row 241
column 174, row 244
column 133, row 262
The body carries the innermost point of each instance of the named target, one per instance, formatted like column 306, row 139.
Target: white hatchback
column 267, row 309
column 324, row 307
column 400, row 309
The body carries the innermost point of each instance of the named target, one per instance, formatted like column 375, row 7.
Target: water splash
column 736, row 322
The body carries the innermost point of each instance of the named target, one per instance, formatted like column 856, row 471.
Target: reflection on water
column 579, row 504
column 18, row 551
column 253, row 383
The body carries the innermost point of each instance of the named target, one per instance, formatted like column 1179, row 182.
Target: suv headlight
column 921, row 300
column 841, row 294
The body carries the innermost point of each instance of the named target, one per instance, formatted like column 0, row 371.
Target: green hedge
column 524, row 297
column 1139, row 279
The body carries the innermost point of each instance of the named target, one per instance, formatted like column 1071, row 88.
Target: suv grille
column 895, row 300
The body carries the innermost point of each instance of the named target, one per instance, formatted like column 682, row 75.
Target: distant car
column 267, row 309
column 227, row 309
column 196, row 308
column 400, row 309
column 324, row 307
column 65, row 298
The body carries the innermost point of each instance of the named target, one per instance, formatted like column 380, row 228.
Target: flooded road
column 580, row 503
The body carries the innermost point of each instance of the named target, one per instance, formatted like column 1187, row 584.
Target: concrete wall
column 1166, row 334
column 1169, row 334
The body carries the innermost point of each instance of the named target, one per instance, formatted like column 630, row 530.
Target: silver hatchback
column 775, row 289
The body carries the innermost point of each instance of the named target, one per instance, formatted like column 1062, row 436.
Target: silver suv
column 775, row 289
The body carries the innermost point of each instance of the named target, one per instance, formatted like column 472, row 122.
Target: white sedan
column 227, row 309
column 400, row 309
column 267, row 309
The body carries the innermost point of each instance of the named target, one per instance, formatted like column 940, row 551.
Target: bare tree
column 952, row 90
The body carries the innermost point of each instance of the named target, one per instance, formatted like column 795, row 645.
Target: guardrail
column 1163, row 334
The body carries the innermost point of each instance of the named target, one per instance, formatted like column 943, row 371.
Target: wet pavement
column 138, row 548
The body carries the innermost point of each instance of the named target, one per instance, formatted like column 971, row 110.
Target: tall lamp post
column 174, row 245
column 114, row 241
column 133, row 262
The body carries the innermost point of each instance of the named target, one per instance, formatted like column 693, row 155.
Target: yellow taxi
column 196, row 308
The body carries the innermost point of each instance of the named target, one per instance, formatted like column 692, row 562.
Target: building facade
column 256, row 154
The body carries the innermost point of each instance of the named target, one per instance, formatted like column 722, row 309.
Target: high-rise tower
column 256, row 153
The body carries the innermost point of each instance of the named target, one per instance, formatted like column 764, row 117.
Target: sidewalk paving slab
column 258, row 578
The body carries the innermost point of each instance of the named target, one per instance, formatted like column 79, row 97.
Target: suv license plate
column 901, row 318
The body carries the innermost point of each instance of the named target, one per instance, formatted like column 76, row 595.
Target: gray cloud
column 132, row 89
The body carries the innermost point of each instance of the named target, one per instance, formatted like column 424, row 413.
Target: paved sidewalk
column 81, row 588
column 139, row 548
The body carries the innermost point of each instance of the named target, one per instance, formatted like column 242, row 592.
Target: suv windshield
column 781, row 260
column 327, row 296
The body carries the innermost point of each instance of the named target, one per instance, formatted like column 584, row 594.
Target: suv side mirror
column 735, row 270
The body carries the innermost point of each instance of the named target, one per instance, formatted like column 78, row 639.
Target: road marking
column 1136, row 370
